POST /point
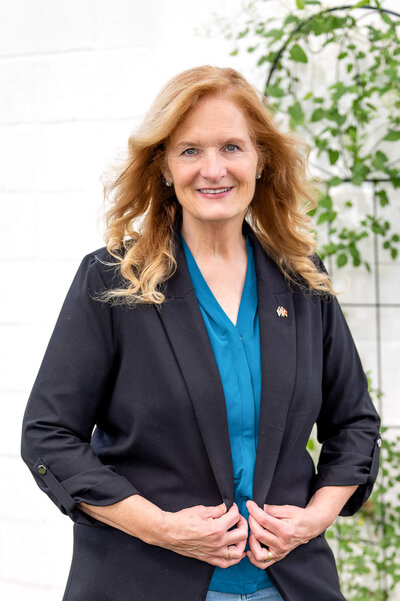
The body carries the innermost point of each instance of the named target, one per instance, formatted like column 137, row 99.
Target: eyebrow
column 194, row 143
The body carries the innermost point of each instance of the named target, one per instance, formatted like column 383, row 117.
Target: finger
column 265, row 520
column 229, row 519
column 280, row 511
column 264, row 536
column 239, row 533
column 214, row 511
column 222, row 562
column 234, row 552
column 262, row 565
column 261, row 554
column 241, row 547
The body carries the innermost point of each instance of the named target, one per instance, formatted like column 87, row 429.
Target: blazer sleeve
column 348, row 424
column 61, row 413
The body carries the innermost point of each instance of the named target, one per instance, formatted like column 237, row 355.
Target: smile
column 214, row 190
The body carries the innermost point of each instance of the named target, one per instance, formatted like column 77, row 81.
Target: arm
column 348, row 424
column 66, row 399
column 200, row 532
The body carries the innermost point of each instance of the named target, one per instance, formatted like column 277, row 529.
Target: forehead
column 213, row 115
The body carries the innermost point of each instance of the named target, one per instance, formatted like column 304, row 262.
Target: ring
column 229, row 554
column 269, row 556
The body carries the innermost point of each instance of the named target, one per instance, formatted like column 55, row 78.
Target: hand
column 281, row 528
column 204, row 533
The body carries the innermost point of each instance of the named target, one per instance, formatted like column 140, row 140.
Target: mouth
column 214, row 190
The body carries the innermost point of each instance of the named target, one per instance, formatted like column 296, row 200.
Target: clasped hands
column 209, row 533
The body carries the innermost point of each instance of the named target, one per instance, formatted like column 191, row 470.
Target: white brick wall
column 75, row 79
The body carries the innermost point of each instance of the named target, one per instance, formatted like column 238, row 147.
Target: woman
column 171, row 413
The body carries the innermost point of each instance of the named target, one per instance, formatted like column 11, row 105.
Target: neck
column 214, row 239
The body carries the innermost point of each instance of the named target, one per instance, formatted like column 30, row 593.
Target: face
column 213, row 162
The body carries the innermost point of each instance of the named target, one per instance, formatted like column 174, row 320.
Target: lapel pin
column 281, row 311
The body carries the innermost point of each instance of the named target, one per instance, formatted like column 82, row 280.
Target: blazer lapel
column 184, row 326
column 278, row 365
column 182, row 320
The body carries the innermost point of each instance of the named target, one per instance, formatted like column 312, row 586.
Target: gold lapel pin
column 281, row 311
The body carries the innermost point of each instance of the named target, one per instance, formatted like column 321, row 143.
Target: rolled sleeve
column 348, row 424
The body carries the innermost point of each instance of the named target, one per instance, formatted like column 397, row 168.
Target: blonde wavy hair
column 139, row 223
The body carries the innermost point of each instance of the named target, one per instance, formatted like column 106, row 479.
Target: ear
column 260, row 165
column 165, row 171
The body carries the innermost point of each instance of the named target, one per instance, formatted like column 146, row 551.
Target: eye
column 189, row 152
column 231, row 147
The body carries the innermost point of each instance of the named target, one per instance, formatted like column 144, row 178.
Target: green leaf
column 392, row 136
column 326, row 202
column 379, row 161
column 334, row 181
column 234, row 52
column 275, row 91
column 352, row 132
column 394, row 252
column 317, row 115
column 330, row 249
column 296, row 112
column 270, row 57
column 334, row 115
column 361, row 3
column 297, row 54
column 243, row 33
column 276, row 34
column 341, row 260
column 333, row 156
column 387, row 19
column 383, row 197
column 291, row 19
column 300, row 4
column 329, row 216
column 360, row 172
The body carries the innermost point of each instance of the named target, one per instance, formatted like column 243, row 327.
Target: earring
column 258, row 176
column 168, row 183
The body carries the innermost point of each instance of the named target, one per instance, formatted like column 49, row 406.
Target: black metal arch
column 322, row 12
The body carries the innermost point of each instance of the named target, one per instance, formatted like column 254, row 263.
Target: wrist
column 154, row 533
column 320, row 519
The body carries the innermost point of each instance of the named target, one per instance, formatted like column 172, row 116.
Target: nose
column 212, row 166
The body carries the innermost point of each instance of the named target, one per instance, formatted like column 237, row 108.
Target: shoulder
column 99, row 270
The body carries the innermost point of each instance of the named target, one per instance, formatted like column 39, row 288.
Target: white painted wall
column 76, row 77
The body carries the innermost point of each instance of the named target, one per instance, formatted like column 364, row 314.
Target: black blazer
column 146, row 381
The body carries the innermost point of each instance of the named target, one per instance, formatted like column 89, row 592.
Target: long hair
column 140, row 220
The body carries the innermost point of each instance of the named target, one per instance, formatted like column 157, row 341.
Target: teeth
column 213, row 190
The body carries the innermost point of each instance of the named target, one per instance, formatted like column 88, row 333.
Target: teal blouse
column 237, row 353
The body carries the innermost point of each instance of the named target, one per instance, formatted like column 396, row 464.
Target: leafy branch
column 350, row 114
